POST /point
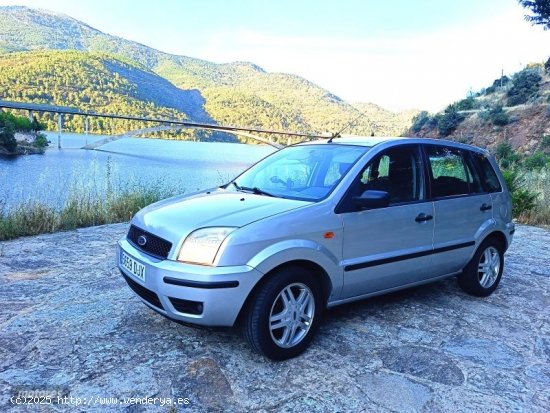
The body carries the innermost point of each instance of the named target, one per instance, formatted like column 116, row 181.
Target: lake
column 180, row 166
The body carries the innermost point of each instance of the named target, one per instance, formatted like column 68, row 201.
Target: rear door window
column 448, row 173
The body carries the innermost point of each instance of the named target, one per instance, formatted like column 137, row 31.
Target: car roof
column 355, row 140
column 370, row 141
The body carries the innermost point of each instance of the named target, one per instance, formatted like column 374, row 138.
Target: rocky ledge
column 21, row 150
column 70, row 325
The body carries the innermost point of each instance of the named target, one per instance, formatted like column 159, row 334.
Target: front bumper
column 209, row 296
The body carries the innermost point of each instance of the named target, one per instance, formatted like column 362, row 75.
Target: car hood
column 174, row 218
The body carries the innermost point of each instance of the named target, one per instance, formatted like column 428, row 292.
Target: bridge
column 172, row 123
column 171, row 127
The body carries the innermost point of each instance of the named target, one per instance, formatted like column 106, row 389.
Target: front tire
column 284, row 314
column 483, row 273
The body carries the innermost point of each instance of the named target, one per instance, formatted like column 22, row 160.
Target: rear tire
column 284, row 314
column 482, row 274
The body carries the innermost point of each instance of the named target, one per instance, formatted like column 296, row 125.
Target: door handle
column 423, row 217
column 485, row 207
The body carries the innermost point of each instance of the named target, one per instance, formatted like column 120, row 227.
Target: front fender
column 301, row 250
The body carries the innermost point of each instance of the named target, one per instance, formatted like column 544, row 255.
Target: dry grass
column 94, row 196
column 538, row 181
column 82, row 208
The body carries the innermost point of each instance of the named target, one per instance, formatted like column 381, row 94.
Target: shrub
column 448, row 122
column 20, row 123
column 41, row 141
column 537, row 161
column 506, row 156
column 7, row 135
column 420, row 120
column 498, row 117
column 523, row 200
column 465, row 104
column 432, row 122
column 525, row 86
column 545, row 143
column 500, row 82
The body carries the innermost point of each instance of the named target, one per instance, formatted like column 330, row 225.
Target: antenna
column 338, row 134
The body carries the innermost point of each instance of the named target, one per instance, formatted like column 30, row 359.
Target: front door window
column 398, row 172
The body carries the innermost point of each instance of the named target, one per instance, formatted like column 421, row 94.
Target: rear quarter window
column 489, row 178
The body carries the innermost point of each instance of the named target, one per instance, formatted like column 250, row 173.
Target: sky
column 399, row 54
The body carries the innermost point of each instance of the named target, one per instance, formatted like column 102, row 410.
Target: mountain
column 382, row 119
column 514, row 110
column 95, row 81
column 238, row 93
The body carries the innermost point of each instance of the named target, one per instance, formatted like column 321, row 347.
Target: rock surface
column 70, row 324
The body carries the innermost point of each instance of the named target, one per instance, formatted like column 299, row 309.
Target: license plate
column 137, row 269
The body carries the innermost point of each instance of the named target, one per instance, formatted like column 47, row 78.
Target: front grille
column 187, row 306
column 143, row 292
column 155, row 246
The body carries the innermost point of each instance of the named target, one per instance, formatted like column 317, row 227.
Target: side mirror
column 372, row 199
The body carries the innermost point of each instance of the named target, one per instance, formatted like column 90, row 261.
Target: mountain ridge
column 236, row 93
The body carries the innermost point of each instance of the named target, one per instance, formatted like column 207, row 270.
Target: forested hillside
column 96, row 82
column 126, row 76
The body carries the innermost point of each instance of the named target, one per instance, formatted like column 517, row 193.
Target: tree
column 419, row 121
column 7, row 137
column 540, row 10
column 448, row 122
column 525, row 86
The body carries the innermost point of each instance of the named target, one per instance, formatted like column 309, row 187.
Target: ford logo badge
column 142, row 240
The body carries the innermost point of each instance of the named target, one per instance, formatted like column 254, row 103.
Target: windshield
column 306, row 172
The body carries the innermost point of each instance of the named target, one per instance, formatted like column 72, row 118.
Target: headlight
column 202, row 245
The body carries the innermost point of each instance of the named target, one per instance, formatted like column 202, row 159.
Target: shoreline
column 21, row 150
column 26, row 145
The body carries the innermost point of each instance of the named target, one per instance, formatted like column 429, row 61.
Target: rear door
column 388, row 247
column 462, row 207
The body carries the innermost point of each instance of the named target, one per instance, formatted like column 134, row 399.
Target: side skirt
column 390, row 290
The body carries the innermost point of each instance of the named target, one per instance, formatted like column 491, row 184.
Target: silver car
column 316, row 225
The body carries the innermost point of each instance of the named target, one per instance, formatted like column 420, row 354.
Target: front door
column 390, row 246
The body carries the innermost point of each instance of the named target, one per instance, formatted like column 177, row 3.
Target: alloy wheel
column 489, row 267
column 291, row 315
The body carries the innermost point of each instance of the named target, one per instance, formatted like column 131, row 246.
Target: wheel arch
column 317, row 270
column 499, row 237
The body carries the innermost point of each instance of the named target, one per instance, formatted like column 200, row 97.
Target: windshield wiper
column 257, row 191
column 254, row 190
